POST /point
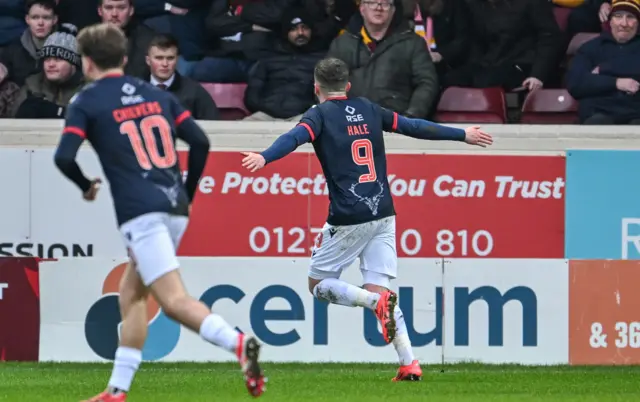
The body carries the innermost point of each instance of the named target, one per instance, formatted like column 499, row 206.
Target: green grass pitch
column 193, row 382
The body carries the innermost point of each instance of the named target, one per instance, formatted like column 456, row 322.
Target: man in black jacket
column 162, row 58
column 121, row 13
column 281, row 86
column 184, row 20
column 514, row 44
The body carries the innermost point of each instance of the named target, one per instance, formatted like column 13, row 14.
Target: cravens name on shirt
column 441, row 186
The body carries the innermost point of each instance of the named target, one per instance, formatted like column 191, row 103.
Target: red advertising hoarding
column 19, row 309
column 447, row 206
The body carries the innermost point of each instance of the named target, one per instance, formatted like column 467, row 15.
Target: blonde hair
column 105, row 44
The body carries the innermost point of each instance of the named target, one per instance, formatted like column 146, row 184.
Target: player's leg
column 336, row 248
column 158, row 268
column 379, row 265
column 133, row 333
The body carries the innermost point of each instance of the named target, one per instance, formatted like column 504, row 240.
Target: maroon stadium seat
column 562, row 16
column 579, row 40
column 229, row 98
column 549, row 106
column 472, row 105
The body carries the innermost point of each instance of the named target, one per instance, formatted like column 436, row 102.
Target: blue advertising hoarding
column 602, row 210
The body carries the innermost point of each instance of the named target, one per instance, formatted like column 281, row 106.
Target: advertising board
column 489, row 310
column 19, row 309
column 602, row 205
column 604, row 327
column 448, row 206
column 454, row 206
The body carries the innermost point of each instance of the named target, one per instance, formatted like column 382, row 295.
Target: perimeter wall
column 527, row 253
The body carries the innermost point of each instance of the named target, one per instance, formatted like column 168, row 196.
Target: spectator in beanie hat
column 62, row 45
column 280, row 86
column 630, row 6
column 45, row 95
column 605, row 73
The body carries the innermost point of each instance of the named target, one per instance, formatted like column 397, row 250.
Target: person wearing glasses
column 388, row 62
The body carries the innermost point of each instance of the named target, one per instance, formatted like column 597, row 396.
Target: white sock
column 345, row 294
column 214, row 329
column 126, row 364
column 401, row 342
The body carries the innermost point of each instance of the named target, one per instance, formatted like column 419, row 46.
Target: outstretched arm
column 428, row 130
column 281, row 147
column 286, row 143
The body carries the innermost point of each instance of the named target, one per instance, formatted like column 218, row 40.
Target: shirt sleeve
column 389, row 118
column 418, row 128
column 73, row 135
column 76, row 120
column 180, row 113
column 312, row 122
column 189, row 131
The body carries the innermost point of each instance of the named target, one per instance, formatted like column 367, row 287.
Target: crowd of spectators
column 402, row 54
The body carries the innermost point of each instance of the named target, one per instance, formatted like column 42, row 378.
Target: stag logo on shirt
column 371, row 202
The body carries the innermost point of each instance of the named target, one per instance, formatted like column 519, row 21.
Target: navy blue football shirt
column 347, row 136
column 132, row 127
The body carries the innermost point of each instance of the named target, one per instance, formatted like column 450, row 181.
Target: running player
column 348, row 142
column 132, row 126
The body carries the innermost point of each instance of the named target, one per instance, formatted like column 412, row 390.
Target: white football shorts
column 337, row 247
column 152, row 240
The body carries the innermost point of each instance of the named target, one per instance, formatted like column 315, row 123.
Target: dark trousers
column 507, row 76
column 601, row 119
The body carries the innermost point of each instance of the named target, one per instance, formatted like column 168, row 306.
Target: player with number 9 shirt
column 133, row 127
column 347, row 136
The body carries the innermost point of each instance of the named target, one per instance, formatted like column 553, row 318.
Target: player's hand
column 475, row 136
column 91, row 194
column 253, row 161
